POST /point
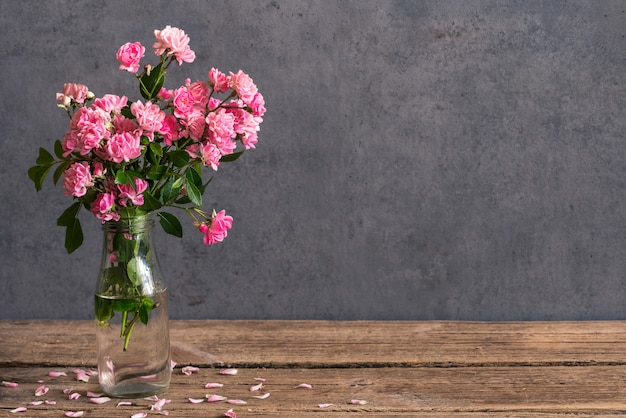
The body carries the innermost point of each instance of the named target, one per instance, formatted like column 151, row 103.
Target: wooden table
column 398, row 369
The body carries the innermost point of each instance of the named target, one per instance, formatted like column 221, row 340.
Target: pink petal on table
column 47, row 402
column 229, row 372
column 237, row 402
column 9, row 384
column 124, row 403
column 264, row 396
column 260, row 379
column 92, row 373
column 82, row 377
column 256, row 387
column 94, row 395
column 194, row 400
column 41, row 390
column 213, row 385
column 304, row 386
column 139, row 415
column 57, row 374
column 67, row 391
column 20, row 409
column 74, row 396
column 215, row 398
column 152, row 398
column 36, row 403
column 73, row 414
column 358, row 402
column 163, row 412
column 160, row 403
column 325, row 405
column 189, row 369
column 100, row 400
column 230, row 414
column 173, row 364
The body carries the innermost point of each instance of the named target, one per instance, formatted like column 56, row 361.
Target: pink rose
column 183, row 102
column 258, row 105
column 111, row 103
column 243, row 86
column 217, row 230
column 149, row 117
column 122, row 146
column 169, row 129
column 76, row 179
column 103, row 207
column 200, row 92
column 129, row 56
column 73, row 93
column 221, row 130
column 194, row 125
column 175, row 42
column 218, row 80
column 210, row 155
column 88, row 127
column 134, row 194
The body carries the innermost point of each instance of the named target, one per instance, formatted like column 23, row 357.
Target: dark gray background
column 418, row 160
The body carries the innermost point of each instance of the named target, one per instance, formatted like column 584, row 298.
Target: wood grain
column 405, row 369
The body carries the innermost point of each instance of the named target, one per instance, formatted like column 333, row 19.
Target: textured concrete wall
column 419, row 160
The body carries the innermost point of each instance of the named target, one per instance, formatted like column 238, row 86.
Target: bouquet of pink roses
column 120, row 159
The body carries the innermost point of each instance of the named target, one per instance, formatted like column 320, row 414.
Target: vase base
column 135, row 390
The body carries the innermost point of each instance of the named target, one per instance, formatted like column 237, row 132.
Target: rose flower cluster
column 120, row 156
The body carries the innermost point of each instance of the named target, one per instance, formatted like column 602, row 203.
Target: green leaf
column 59, row 171
column 194, row 177
column 44, row 157
column 179, row 158
column 231, row 157
column 122, row 305
column 131, row 271
column 58, row 149
column 156, row 149
column 170, row 224
column 68, row 216
column 126, row 111
column 151, row 83
column 122, row 178
column 149, row 202
column 38, row 173
column 194, row 194
column 171, row 189
column 156, row 172
column 73, row 236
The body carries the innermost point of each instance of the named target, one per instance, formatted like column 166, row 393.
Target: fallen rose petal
column 73, row 414
column 264, row 396
column 237, row 402
column 50, row 402
column 325, row 405
column 67, row 391
column 194, row 400
column 162, row 412
column 152, row 398
column 41, row 390
column 100, row 400
column 213, row 385
column 358, row 402
column 215, row 398
column 92, row 373
column 124, row 403
column 173, row 364
column 304, row 386
column 139, row 415
column 94, row 395
column 57, row 374
column 229, row 372
column 188, row 370
column 20, row 409
column 260, row 379
column 230, row 414
column 36, row 403
column 74, row 396
column 82, row 377
column 9, row 384
column 256, row 387
column 159, row 404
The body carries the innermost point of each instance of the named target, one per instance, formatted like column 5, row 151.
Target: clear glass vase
column 131, row 306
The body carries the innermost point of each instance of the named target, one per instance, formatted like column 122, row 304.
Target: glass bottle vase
column 131, row 306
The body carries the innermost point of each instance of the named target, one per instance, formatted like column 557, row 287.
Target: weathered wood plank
column 419, row 392
column 336, row 344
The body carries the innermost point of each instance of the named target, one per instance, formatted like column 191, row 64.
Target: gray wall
column 418, row 160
